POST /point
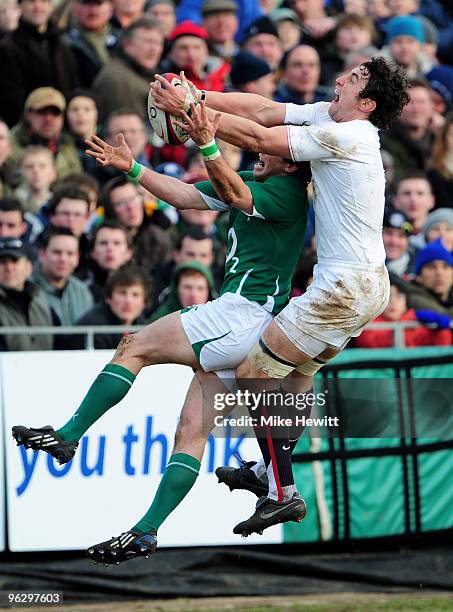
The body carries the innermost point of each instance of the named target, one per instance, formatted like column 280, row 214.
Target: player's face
column 82, row 116
column 61, row 257
column 437, row 276
column 195, row 250
column 396, row 242
column 444, row 231
column 38, row 171
column 128, row 205
column 71, row 214
column 268, row 165
column 111, row 250
column 14, row 272
column 397, row 305
column 127, row 303
column 193, row 289
column 11, row 224
column 346, row 103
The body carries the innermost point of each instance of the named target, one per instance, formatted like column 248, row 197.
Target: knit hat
column 397, row 220
column 440, row 79
column 187, row 28
column 262, row 25
column 434, row 251
column 429, row 29
column 405, row 26
column 440, row 215
column 248, row 67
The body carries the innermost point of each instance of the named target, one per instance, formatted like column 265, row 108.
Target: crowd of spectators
column 82, row 245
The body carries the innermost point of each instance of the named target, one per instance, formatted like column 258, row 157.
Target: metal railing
column 398, row 327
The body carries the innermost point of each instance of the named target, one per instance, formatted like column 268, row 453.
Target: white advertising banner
column 111, row 481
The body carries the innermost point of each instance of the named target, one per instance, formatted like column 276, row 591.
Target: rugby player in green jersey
column 267, row 222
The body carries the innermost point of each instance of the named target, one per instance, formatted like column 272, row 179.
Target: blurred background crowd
column 81, row 245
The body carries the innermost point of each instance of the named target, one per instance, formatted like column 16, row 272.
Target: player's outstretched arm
column 173, row 191
column 250, row 106
column 249, row 135
column 229, row 186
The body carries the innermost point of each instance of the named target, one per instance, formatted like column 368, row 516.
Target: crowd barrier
column 355, row 487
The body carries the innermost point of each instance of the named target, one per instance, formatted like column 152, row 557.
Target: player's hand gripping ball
column 163, row 123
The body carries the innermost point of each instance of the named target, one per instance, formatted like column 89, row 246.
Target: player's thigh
column 163, row 341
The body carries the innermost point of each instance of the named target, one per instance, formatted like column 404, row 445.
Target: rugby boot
column 45, row 439
column 128, row 545
column 270, row 512
column 242, row 478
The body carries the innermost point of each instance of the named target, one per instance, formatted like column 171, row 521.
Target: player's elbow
column 242, row 202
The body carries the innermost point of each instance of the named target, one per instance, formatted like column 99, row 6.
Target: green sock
column 109, row 388
column 179, row 477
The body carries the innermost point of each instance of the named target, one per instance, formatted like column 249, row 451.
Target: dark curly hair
column 387, row 86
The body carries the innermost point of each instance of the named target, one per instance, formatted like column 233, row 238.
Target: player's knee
column 247, row 369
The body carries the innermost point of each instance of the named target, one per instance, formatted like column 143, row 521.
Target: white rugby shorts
column 337, row 305
column 223, row 332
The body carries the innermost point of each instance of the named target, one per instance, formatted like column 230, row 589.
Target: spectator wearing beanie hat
column 404, row 40
column 262, row 40
column 432, row 288
column 439, row 226
column 251, row 74
column 188, row 51
column 440, row 80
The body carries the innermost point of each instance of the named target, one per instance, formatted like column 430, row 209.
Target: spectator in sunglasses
column 42, row 124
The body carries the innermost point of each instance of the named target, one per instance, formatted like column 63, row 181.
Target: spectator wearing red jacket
column 397, row 311
column 188, row 51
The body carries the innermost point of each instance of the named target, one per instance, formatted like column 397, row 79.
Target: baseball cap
column 13, row 247
column 43, row 97
column 216, row 6
column 434, row 251
column 397, row 220
column 187, row 28
column 440, row 79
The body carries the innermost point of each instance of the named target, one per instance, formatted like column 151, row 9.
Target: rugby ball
column 163, row 123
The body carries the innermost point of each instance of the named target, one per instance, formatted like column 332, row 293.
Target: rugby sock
column 109, row 388
column 179, row 477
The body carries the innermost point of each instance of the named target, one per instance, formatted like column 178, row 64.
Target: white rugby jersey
column 348, row 180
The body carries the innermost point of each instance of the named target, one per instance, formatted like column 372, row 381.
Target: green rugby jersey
column 263, row 247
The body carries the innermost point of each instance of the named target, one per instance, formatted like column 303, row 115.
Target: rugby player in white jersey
column 350, row 283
